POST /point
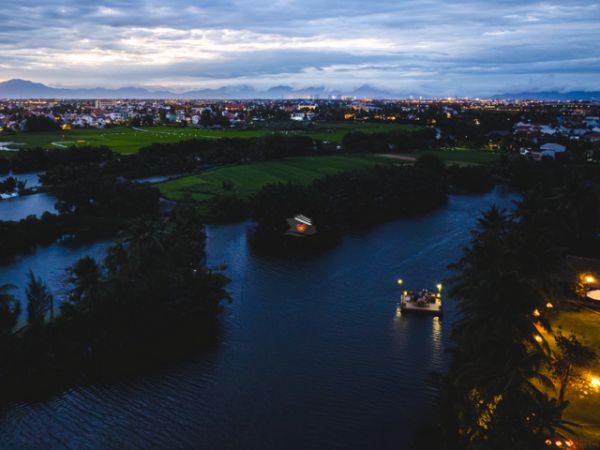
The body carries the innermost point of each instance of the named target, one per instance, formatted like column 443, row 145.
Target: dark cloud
column 457, row 47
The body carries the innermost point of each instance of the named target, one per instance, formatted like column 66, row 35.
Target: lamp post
column 439, row 288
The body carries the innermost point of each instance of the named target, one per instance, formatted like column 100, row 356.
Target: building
column 104, row 103
column 549, row 150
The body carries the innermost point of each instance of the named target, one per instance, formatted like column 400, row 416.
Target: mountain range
column 20, row 89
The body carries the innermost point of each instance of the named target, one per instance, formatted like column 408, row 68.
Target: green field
column 249, row 178
column 120, row 139
column 128, row 140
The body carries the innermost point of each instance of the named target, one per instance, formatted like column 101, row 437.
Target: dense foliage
column 348, row 200
column 41, row 123
column 403, row 140
column 90, row 208
column 151, row 298
column 10, row 185
column 497, row 394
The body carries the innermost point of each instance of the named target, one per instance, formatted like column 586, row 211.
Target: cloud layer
column 433, row 47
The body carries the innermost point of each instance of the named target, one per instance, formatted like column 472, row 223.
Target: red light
column 301, row 227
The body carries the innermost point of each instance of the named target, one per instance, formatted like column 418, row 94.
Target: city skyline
column 403, row 48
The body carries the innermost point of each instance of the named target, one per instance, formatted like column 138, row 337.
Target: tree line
column 355, row 199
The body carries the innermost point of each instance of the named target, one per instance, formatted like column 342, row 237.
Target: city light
column 400, row 281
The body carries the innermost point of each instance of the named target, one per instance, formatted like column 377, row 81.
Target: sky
column 430, row 47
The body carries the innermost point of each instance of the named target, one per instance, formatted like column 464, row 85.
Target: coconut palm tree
column 83, row 277
column 504, row 275
column 10, row 308
column 39, row 300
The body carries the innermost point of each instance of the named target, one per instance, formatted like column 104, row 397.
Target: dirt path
column 400, row 157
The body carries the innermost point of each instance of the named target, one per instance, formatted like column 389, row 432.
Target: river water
column 18, row 208
column 313, row 353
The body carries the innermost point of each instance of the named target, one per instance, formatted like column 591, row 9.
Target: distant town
column 535, row 129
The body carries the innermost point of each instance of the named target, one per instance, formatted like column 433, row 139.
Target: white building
column 549, row 150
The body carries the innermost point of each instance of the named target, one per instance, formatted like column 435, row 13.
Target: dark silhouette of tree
column 571, row 356
column 39, row 300
column 10, row 308
column 41, row 123
column 83, row 277
column 505, row 273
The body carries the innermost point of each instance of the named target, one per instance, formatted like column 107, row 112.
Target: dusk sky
column 429, row 47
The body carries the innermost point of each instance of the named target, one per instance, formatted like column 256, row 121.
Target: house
column 592, row 138
column 548, row 150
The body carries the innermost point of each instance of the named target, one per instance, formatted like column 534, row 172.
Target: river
column 313, row 353
column 18, row 208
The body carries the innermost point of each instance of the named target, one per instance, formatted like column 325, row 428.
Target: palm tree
column 10, row 308
column 571, row 356
column 84, row 277
column 39, row 300
column 505, row 273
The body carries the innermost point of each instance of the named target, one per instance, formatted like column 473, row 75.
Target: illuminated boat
column 421, row 302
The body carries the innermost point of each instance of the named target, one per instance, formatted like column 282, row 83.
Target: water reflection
column 18, row 208
column 154, row 179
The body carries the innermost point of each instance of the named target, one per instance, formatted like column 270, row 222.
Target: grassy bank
column 247, row 179
column 456, row 155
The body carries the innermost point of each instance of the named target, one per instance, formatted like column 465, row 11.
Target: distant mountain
column 551, row 95
column 28, row 89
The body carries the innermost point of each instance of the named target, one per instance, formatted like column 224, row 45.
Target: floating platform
column 423, row 302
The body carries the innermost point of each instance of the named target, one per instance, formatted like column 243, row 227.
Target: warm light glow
column 549, row 305
column 536, row 313
column 400, row 281
column 301, row 227
column 589, row 279
column 439, row 286
column 595, row 382
column 538, row 338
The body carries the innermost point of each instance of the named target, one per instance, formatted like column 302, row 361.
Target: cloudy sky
column 432, row 47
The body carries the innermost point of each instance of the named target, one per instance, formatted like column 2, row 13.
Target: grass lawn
column 585, row 400
column 249, row 178
column 584, row 407
column 129, row 140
